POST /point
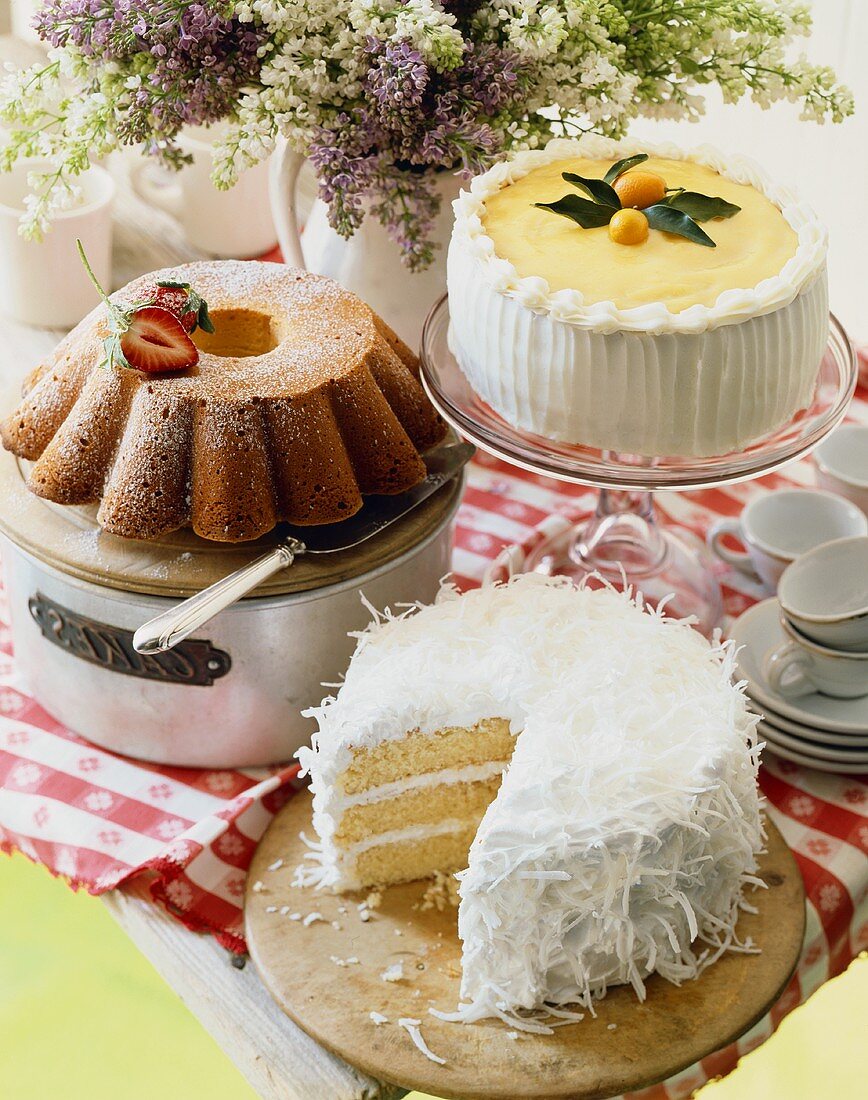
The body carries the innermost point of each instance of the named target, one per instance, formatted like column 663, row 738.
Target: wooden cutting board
column 627, row 1046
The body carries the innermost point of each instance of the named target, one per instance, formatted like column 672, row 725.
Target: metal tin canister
column 233, row 695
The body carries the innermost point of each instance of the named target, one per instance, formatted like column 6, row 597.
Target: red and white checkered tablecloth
column 98, row 819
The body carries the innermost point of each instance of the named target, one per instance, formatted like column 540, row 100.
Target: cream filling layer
column 473, row 246
column 473, row 773
column 412, row 832
column 754, row 245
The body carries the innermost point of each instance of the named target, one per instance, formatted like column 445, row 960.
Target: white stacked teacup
column 823, row 598
column 777, row 528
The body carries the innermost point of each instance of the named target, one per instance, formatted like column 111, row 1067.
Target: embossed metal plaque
column 111, row 647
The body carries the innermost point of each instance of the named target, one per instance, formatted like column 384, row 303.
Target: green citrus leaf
column 599, row 190
column 664, row 217
column 587, row 214
column 702, row 208
column 203, row 318
column 622, row 166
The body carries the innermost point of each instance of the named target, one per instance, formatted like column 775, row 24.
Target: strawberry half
column 153, row 335
column 155, row 341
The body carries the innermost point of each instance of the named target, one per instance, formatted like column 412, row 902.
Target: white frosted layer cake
column 665, row 347
column 586, row 765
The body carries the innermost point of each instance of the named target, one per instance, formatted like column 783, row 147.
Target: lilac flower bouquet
column 383, row 94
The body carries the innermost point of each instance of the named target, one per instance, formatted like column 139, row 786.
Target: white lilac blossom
column 383, row 94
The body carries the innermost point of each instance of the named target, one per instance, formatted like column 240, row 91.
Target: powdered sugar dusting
column 163, row 451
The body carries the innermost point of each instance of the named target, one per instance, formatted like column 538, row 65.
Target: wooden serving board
column 306, row 970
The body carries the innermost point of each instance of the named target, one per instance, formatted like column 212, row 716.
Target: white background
column 827, row 165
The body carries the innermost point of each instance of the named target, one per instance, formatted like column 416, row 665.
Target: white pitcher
column 369, row 263
column 230, row 224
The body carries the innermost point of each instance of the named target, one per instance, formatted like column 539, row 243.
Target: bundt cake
column 301, row 402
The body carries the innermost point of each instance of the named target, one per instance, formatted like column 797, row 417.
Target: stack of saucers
column 804, row 656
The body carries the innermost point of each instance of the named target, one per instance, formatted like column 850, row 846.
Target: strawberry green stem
column 113, row 309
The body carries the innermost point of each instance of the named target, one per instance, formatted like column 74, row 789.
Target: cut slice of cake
column 588, row 767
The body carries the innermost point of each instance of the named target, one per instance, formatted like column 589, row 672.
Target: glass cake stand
column 625, row 541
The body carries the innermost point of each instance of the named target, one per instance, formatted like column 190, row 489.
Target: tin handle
column 173, row 626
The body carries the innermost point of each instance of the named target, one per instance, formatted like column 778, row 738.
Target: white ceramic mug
column 824, row 594
column 369, row 263
column 778, row 527
column 43, row 282
column 801, row 666
column 229, row 224
column 842, row 463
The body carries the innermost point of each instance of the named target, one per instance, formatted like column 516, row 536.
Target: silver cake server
column 173, row 626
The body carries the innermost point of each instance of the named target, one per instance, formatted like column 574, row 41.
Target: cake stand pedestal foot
column 625, row 543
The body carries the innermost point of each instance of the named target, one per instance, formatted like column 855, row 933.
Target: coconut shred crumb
column 377, row 1018
column 611, row 1027
column 278, row 863
column 258, row 886
column 351, row 961
column 312, row 918
column 412, row 1028
column 393, row 973
column 441, row 892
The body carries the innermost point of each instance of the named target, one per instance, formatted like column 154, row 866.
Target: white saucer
column 809, row 761
column 770, row 732
column 757, row 631
column 810, row 733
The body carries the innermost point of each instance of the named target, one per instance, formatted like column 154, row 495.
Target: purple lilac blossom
column 201, row 56
column 378, row 153
column 412, row 120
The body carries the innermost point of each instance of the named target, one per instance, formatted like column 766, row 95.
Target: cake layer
column 422, row 806
column 418, row 753
column 417, row 857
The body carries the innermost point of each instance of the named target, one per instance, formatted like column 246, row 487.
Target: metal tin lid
column 70, row 540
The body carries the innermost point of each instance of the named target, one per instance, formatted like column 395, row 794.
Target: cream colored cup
column 230, row 224
column 800, row 666
column 842, row 463
column 43, row 282
column 824, row 594
column 777, row 527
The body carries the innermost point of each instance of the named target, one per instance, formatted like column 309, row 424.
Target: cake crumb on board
column 440, row 893
column 393, row 973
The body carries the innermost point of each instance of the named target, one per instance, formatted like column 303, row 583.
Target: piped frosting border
column 568, row 306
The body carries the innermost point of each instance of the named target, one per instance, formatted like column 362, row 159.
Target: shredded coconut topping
column 627, row 824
